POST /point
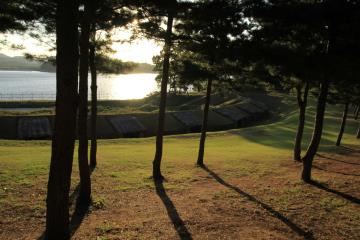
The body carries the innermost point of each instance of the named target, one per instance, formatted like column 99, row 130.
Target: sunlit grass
column 251, row 151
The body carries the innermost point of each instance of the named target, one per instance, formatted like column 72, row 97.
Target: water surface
column 33, row 85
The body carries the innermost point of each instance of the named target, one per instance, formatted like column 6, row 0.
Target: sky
column 141, row 50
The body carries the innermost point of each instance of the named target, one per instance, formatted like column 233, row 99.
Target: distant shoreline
column 23, row 70
column 39, row 70
column 20, row 63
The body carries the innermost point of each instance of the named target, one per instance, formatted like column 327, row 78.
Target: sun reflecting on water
column 127, row 86
column 32, row 85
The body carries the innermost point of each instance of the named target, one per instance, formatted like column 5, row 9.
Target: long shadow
column 80, row 210
column 79, row 213
column 178, row 223
column 341, row 194
column 301, row 232
column 349, row 149
column 336, row 172
column 77, row 217
column 73, row 196
column 336, row 160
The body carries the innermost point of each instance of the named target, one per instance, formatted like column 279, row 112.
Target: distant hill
column 143, row 68
column 20, row 63
column 17, row 63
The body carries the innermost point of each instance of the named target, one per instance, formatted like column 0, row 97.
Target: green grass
column 259, row 157
column 253, row 151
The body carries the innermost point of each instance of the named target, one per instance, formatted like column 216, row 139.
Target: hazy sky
column 138, row 51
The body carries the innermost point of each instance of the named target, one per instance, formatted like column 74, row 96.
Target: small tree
column 106, row 16
column 152, row 15
column 207, row 32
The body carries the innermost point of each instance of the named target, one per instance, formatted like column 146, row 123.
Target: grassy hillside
column 251, row 188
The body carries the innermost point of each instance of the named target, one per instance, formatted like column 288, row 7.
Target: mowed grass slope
column 251, row 187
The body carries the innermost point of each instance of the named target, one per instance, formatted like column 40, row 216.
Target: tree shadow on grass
column 306, row 234
column 77, row 217
column 178, row 223
column 349, row 149
column 79, row 213
column 336, row 192
column 336, row 172
column 80, row 210
column 336, row 160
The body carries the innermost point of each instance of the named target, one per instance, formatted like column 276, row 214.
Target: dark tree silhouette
column 67, row 45
column 93, row 118
column 318, row 128
column 302, row 103
column 15, row 15
column 207, row 32
column 200, row 160
column 321, row 22
column 163, row 93
column 84, row 171
column 343, row 123
column 105, row 16
column 340, row 18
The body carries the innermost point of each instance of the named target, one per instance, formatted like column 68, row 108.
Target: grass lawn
column 249, row 190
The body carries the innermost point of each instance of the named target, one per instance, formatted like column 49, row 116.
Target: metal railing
column 22, row 97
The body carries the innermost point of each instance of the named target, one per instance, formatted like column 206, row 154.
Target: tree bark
column 302, row 112
column 317, row 133
column 357, row 112
column 85, row 182
column 63, row 141
column 93, row 147
column 343, row 123
column 200, row 160
column 163, row 94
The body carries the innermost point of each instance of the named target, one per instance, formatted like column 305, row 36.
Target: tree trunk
column 93, row 148
column 200, row 160
column 85, row 182
column 163, row 94
column 358, row 133
column 302, row 111
column 63, row 141
column 357, row 112
column 316, row 136
column 343, row 123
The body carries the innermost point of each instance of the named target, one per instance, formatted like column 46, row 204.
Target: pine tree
column 151, row 16
column 312, row 28
column 207, row 32
column 67, row 46
column 16, row 15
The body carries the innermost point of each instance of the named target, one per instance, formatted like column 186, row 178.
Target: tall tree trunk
column 163, row 94
column 302, row 111
column 358, row 133
column 85, row 183
column 317, row 133
column 343, row 123
column 63, row 141
column 200, row 160
column 93, row 148
column 357, row 112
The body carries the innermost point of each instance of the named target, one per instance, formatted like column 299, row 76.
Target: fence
column 22, row 97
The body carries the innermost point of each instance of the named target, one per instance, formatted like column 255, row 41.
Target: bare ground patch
column 214, row 205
